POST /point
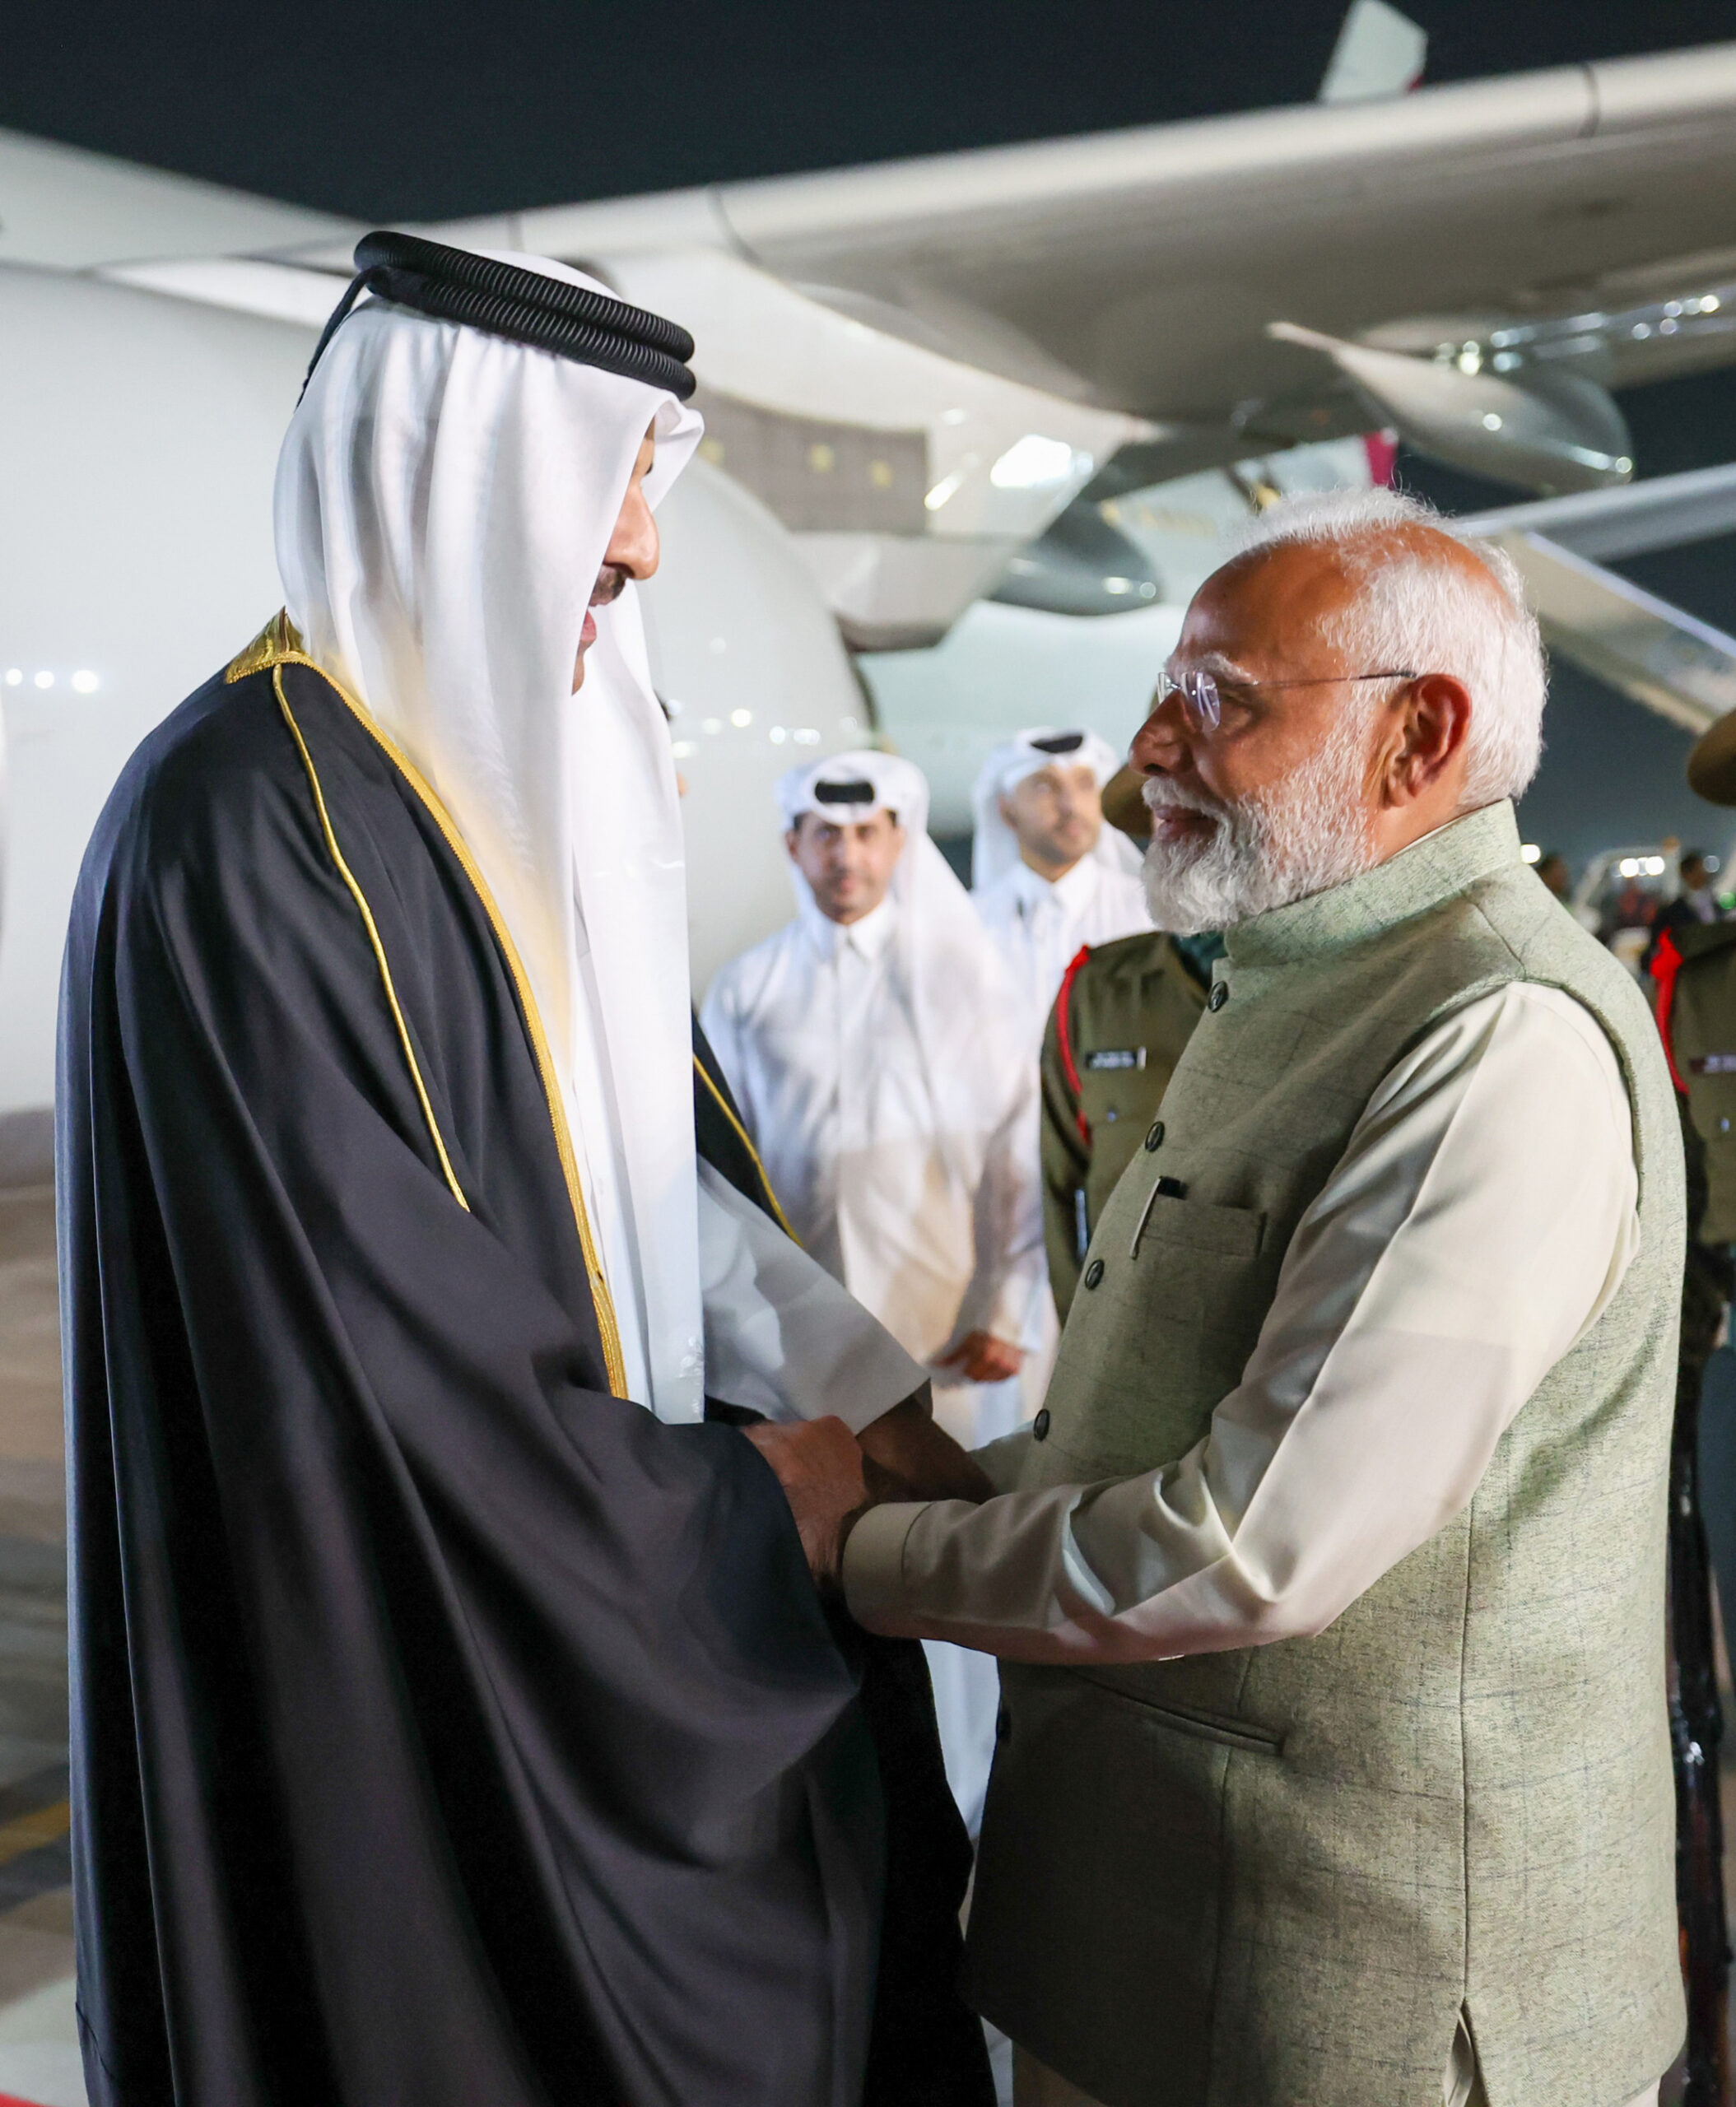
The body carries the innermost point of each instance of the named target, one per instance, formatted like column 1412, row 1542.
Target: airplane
column 980, row 394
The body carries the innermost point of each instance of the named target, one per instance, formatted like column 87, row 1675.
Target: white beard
column 1306, row 834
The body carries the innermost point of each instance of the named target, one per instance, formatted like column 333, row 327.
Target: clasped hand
column 829, row 1477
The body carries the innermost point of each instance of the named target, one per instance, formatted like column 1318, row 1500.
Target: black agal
column 456, row 284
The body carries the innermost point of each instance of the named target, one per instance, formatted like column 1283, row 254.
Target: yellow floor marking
column 30, row 1832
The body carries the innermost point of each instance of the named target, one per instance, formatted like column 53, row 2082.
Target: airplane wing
column 69, row 210
column 1139, row 270
column 1654, row 654
column 1641, row 646
column 918, row 365
column 1629, row 521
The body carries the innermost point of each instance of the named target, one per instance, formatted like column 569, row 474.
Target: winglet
column 1380, row 51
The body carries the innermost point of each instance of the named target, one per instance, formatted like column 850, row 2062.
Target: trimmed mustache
column 611, row 582
column 1163, row 793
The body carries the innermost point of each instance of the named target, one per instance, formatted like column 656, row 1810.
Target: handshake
column 830, row 1476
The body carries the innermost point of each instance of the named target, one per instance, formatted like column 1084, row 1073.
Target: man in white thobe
column 1329, row 1585
column 874, row 1050
column 1046, row 874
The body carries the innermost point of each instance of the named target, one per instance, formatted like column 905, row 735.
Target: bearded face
column 1302, row 835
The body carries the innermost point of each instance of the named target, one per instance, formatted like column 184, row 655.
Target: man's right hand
column 822, row 1472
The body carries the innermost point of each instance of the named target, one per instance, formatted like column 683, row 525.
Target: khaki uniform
column 1124, row 1012
column 1699, row 1019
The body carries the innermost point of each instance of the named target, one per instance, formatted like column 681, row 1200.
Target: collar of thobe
column 867, row 938
column 1073, row 891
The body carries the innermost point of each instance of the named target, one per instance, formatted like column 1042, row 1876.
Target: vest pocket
column 1246, row 1735
column 1198, row 1225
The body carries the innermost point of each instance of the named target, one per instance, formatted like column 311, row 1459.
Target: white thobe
column 938, row 1234
column 782, row 1337
column 1039, row 925
column 1482, row 1215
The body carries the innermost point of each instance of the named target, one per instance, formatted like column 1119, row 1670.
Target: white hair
column 1411, row 609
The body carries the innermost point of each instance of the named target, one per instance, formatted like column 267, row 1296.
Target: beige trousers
column 1036, row 2086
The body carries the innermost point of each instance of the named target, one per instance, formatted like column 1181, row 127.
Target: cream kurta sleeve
column 1482, row 1215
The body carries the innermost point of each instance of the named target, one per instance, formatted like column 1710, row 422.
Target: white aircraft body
column 1060, row 374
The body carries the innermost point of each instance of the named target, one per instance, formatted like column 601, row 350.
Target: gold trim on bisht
column 280, row 644
column 728, row 1110
column 361, row 898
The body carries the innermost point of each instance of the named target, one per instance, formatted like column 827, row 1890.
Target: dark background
column 392, row 109
column 431, row 109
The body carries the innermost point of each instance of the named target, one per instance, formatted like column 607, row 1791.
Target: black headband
column 456, row 284
column 1060, row 742
column 855, row 792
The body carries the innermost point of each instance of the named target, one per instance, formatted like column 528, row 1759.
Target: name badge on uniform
column 1713, row 1064
column 1126, row 1057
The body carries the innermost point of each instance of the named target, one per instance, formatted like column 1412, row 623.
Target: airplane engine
column 140, row 435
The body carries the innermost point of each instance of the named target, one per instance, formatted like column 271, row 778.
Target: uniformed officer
column 1123, row 1014
column 1126, row 1010
column 1693, row 967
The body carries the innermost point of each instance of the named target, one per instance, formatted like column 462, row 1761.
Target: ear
column 792, row 835
column 1004, row 806
column 1433, row 723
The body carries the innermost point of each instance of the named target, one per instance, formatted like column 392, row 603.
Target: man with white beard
column 1046, row 874
column 1329, row 1585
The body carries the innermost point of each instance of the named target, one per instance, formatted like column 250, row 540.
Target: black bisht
column 446, row 1729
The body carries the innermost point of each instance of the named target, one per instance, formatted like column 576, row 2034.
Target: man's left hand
column 981, row 1357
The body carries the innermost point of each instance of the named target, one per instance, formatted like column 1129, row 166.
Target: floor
column 39, row 2063
column 39, row 2050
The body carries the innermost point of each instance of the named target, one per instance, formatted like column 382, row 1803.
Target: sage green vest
column 1272, row 1877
